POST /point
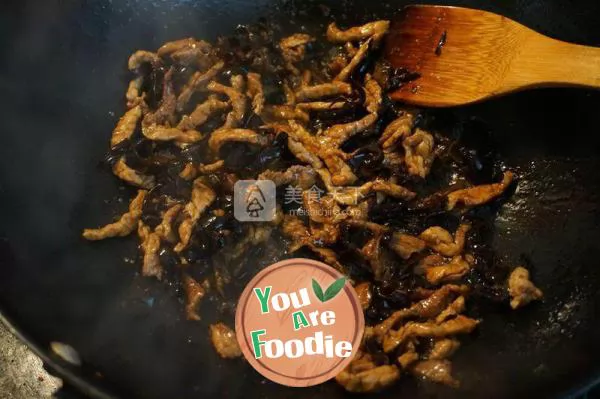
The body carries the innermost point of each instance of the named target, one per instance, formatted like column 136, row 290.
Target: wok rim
column 86, row 387
column 70, row 377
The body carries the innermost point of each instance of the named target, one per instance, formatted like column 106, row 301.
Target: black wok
column 62, row 76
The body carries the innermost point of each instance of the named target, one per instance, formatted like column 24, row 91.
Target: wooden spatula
column 464, row 56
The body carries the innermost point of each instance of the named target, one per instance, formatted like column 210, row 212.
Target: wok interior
column 132, row 331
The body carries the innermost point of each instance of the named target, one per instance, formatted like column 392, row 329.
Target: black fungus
column 366, row 162
column 276, row 155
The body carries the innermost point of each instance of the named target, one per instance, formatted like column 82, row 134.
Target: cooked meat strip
column 296, row 131
column 455, row 308
column 304, row 155
column 350, row 49
column 375, row 29
column 225, row 135
column 338, row 134
column 187, row 44
column 406, row 245
column 357, row 58
column 190, row 53
column 353, row 195
column 429, row 307
column 373, row 95
column 479, row 195
column 150, row 246
column 306, row 77
column 409, row 357
column 391, row 189
column 328, row 256
column 194, row 292
column 211, row 167
column 362, row 375
column 345, row 195
column 202, row 113
column 459, row 325
column 295, row 229
column 275, row 113
column 297, row 176
column 521, row 289
column 163, row 133
column 372, row 226
column 441, row 241
column 443, row 349
column 341, row 172
column 322, row 105
column 323, row 209
column 439, row 371
column 165, row 228
column 133, row 95
column 363, row 290
column 189, row 172
column 398, row 129
column 236, row 97
column 447, row 272
column 132, row 176
column 197, row 82
column 304, row 143
column 293, row 46
column 307, row 93
column 419, row 153
column 126, row 126
column 142, row 57
column 293, row 49
column 124, row 226
column 342, row 132
column 202, row 197
column 359, row 212
column 324, row 233
column 224, row 340
column 372, row 380
column 256, row 92
column 435, row 303
column 337, row 63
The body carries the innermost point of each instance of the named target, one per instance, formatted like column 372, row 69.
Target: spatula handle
column 546, row 62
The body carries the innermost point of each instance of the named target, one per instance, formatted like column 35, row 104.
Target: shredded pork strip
column 307, row 93
column 521, row 289
column 202, row 197
column 150, row 245
column 132, row 176
column 124, row 226
column 224, row 341
column 126, row 125
column 376, row 29
column 198, row 81
column 236, row 97
column 222, row 136
column 479, row 195
column 202, row 113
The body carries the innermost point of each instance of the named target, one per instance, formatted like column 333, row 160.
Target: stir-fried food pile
column 370, row 187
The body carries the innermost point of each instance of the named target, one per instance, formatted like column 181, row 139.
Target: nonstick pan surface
column 62, row 76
